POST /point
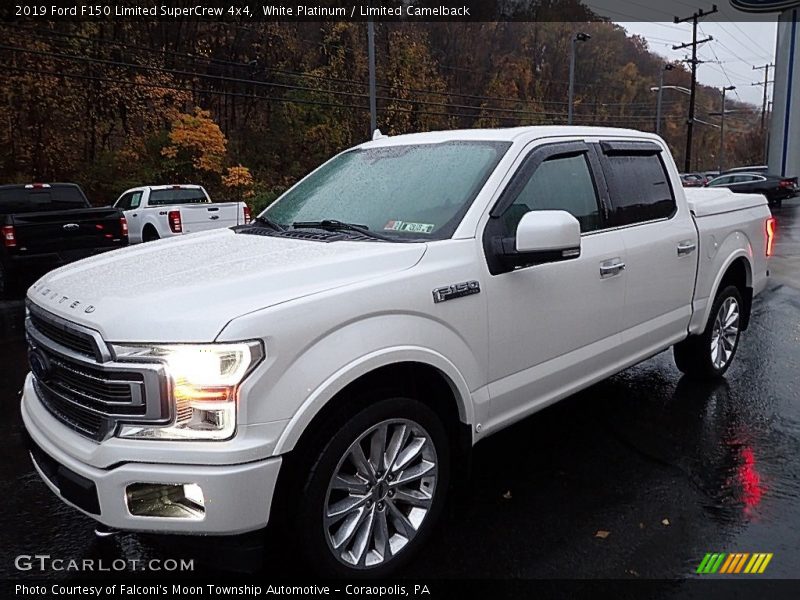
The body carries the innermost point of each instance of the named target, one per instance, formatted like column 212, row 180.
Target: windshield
column 408, row 192
column 177, row 196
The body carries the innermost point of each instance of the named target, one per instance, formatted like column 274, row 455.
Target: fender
column 361, row 366
column 702, row 307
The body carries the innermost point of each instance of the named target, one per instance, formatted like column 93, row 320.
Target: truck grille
column 81, row 419
column 87, row 395
column 74, row 340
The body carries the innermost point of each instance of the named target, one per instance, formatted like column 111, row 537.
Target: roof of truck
column 506, row 135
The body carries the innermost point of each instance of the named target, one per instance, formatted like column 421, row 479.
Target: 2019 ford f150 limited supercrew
column 327, row 366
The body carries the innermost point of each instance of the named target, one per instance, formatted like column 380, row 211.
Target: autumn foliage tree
column 196, row 148
column 239, row 180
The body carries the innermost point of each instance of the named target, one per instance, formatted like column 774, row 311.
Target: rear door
column 660, row 243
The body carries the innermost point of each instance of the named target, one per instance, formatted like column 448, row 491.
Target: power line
column 61, row 56
column 264, row 83
column 312, row 76
column 40, row 72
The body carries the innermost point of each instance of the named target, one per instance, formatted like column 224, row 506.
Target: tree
column 196, row 146
column 239, row 180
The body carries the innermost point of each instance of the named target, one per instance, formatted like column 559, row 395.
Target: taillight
column 175, row 224
column 247, row 216
column 772, row 226
column 123, row 225
column 786, row 183
column 9, row 238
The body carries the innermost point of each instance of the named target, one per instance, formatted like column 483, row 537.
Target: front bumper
column 237, row 498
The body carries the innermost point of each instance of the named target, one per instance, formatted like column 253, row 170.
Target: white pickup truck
column 327, row 367
column 162, row 211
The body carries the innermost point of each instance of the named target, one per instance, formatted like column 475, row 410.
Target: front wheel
column 376, row 489
column 710, row 354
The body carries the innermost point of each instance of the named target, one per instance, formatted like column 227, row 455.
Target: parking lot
column 638, row 477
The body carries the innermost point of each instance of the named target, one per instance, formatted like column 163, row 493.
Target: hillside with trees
column 247, row 109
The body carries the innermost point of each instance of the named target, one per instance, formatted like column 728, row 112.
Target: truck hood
column 187, row 289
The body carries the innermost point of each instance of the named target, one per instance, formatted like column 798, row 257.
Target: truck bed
column 705, row 202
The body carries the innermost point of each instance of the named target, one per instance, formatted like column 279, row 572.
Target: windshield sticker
column 412, row 227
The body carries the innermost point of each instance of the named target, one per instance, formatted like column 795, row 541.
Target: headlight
column 204, row 380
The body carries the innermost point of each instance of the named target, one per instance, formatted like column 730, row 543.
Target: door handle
column 611, row 268
column 134, row 215
column 686, row 248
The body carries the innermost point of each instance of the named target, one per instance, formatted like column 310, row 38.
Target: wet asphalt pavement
column 668, row 468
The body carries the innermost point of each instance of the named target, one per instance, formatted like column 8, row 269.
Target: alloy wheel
column 725, row 333
column 381, row 492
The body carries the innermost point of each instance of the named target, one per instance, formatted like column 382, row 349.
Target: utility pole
column 766, row 83
column 695, row 18
column 667, row 67
column 730, row 88
column 578, row 37
column 373, row 102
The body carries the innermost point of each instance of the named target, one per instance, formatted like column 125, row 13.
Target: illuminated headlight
column 204, row 381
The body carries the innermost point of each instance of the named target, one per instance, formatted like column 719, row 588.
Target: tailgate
column 202, row 217
column 63, row 231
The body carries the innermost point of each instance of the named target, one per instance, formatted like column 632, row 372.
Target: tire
column 709, row 355
column 368, row 521
column 150, row 235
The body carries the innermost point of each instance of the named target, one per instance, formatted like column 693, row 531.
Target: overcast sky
column 736, row 49
column 741, row 40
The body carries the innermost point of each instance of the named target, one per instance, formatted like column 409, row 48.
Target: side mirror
column 547, row 231
column 543, row 236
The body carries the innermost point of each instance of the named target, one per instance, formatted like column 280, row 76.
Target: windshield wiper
column 334, row 225
column 270, row 223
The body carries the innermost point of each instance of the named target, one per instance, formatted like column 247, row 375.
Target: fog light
column 173, row 500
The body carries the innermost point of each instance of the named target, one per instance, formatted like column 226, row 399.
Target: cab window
column 559, row 183
column 638, row 186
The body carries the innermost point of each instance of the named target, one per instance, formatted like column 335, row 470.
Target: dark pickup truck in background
column 44, row 226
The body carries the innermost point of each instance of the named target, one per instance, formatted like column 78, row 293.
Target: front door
column 554, row 326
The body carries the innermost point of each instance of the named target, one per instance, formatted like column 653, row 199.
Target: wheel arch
column 736, row 270
column 408, row 370
column 149, row 225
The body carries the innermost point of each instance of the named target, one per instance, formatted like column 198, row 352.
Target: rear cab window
column 639, row 186
column 177, row 196
column 19, row 199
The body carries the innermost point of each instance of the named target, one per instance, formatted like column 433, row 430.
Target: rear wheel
column 150, row 235
column 375, row 490
column 710, row 354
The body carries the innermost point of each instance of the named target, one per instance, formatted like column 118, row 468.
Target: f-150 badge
column 457, row 290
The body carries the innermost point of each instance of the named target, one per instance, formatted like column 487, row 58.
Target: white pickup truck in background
column 327, row 366
column 162, row 211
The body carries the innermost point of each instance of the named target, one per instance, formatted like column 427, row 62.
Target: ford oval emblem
column 40, row 365
column 71, row 227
